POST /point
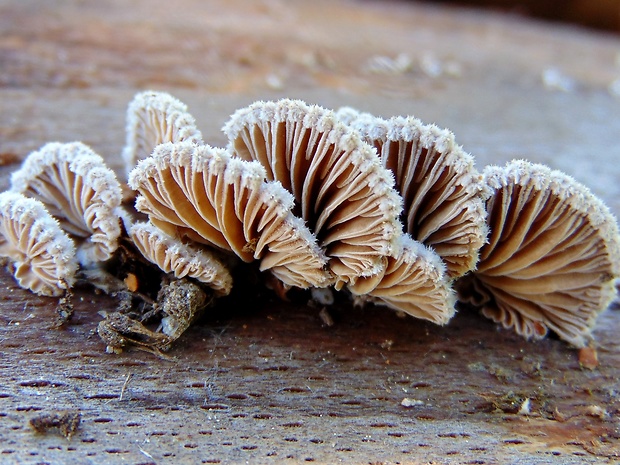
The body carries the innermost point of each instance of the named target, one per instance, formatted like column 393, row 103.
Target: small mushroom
column 551, row 258
column 413, row 282
column 80, row 191
column 200, row 193
column 152, row 119
column 340, row 188
column 443, row 193
column 184, row 260
column 41, row 254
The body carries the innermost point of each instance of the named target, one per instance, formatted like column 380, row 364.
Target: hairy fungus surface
column 205, row 195
column 443, row 193
column 413, row 282
column 40, row 253
column 80, row 191
column 552, row 255
column 183, row 260
column 152, row 119
column 340, row 188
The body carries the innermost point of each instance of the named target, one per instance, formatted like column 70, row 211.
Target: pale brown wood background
column 261, row 381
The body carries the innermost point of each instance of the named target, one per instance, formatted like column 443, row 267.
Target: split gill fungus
column 552, row 255
column 80, row 191
column 347, row 198
column 341, row 191
column 391, row 211
column 152, row 119
column 202, row 194
column 180, row 259
column 41, row 255
column 442, row 191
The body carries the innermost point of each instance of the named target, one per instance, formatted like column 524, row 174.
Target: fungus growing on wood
column 80, row 191
column 40, row 253
column 152, row 119
column 183, row 260
column 442, row 191
column 203, row 194
column 552, row 255
column 413, row 282
column 340, row 188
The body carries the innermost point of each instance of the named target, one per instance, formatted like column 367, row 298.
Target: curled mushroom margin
column 80, row 191
column 152, row 119
column 40, row 253
column 413, row 282
column 183, row 260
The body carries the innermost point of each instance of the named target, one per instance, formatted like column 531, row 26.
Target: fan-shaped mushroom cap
column 413, row 282
column 41, row 253
column 552, row 255
column 80, row 191
column 152, row 119
column 341, row 190
column 184, row 260
column 443, row 192
column 201, row 193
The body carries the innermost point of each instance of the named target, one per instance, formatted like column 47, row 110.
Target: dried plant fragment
column 80, row 191
column 182, row 302
column 442, row 191
column 552, row 255
column 152, row 119
column 119, row 331
column 183, row 260
column 65, row 309
column 66, row 423
column 202, row 194
column 40, row 253
column 179, row 303
column 413, row 282
column 340, row 188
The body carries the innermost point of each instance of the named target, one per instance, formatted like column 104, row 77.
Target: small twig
column 120, row 397
column 145, row 452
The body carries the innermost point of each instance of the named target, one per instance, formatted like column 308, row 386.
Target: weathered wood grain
column 259, row 380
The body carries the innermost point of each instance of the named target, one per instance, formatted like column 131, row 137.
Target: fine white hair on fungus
column 203, row 194
column 552, row 256
column 341, row 190
column 40, row 253
column 80, row 191
column 414, row 282
column 152, row 119
column 442, row 191
column 183, row 260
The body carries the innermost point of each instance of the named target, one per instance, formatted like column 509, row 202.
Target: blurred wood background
column 260, row 380
column 597, row 14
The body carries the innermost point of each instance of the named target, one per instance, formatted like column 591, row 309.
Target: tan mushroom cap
column 42, row 255
column 203, row 194
column 552, row 255
column 184, row 260
column 152, row 119
column 443, row 193
column 340, row 188
column 413, row 282
column 80, row 191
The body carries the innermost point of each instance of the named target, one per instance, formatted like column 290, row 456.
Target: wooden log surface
column 261, row 380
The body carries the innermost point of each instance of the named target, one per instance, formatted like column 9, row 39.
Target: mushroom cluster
column 391, row 211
